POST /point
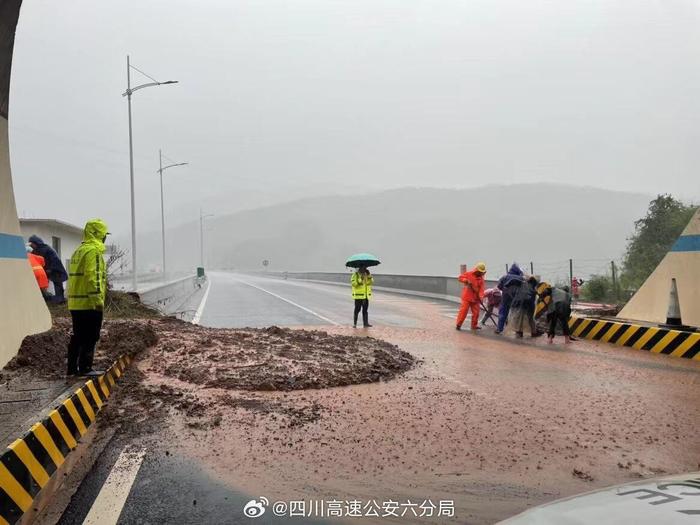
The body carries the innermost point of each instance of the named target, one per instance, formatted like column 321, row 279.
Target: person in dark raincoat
column 522, row 310
column 54, row 268
column 509, row 285
column 559, row 310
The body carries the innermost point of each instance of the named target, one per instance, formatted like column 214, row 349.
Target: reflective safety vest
column 361, row 286
column 87, row 277
column 37, row 264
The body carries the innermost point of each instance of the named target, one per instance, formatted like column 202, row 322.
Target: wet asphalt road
column 174, row 489
column 237, row 301
column 509, row 421
column 168, row 489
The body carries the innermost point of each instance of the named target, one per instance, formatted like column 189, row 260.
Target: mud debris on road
column 273, row 359
column 44, row 355
column 270, row 359
column 201, row 373
column 483, row 419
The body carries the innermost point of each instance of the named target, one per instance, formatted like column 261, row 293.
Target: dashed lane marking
column 110, row 501
column 290, row 302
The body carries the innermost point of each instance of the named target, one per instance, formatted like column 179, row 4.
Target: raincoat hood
column 515, row 270
column 95, row 231
column 36, row 239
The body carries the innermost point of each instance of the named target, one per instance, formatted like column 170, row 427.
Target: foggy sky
column 292, row 98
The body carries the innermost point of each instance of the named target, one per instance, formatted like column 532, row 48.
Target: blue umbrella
column 362, row 259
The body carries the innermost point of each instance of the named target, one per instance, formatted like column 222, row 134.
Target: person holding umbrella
column 361, row 284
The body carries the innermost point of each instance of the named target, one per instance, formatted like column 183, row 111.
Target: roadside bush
column 599, row 288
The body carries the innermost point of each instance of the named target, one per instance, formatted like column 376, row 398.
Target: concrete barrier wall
column 22, row 309
column 447, row 288
column 168, row 297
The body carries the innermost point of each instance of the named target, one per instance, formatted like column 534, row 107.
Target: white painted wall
column 70, row 239
column 22, row 309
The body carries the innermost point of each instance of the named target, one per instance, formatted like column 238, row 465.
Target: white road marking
column 200, row 310
column 110, row 501
column 290, row 302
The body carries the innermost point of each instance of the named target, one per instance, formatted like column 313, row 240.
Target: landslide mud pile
column 44, row 355
column 207, row 375
column 272, row 359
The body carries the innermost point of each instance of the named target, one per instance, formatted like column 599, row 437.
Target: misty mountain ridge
column 424, row 231
column 227, row 200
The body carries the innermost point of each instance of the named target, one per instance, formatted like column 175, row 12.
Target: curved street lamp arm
column 149, row 84
column 173, row 165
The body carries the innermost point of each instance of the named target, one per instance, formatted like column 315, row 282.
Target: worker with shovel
column 493, row 302
column 472, row 294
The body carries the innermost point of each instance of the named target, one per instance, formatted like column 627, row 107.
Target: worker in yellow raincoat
column 87, row 289
column 361, row 283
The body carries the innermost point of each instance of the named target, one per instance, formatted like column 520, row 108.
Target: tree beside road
column 654, row 235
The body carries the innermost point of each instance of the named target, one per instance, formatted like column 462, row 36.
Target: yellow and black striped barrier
column 544, row 300
column 29, row 462
column 657, row 340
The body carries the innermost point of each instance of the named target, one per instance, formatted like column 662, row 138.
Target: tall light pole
column 129, row 91
column 201, row 236
column 161, row 169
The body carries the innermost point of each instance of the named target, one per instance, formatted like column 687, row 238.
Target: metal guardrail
column 438, row 287
column 168, row 297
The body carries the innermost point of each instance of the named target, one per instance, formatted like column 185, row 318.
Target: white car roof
column 669, row 500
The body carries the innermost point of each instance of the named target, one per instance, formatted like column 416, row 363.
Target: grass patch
column 118, row 305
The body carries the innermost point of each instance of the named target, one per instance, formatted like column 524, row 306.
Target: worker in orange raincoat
column 37, row 264
column 472, row 294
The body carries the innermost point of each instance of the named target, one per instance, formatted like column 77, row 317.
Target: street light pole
column 131, row 178
column 162, row 208
column 161, row 169
column 129, row 91
column 201, row 236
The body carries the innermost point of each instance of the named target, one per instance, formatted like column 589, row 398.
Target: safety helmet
column 481, row 267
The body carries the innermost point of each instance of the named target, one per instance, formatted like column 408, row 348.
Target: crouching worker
column 472, row 293
column 559, row 310
column 87, row 288
column 493, row 302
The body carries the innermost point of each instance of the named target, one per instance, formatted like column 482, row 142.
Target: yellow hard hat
column 481, row 267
